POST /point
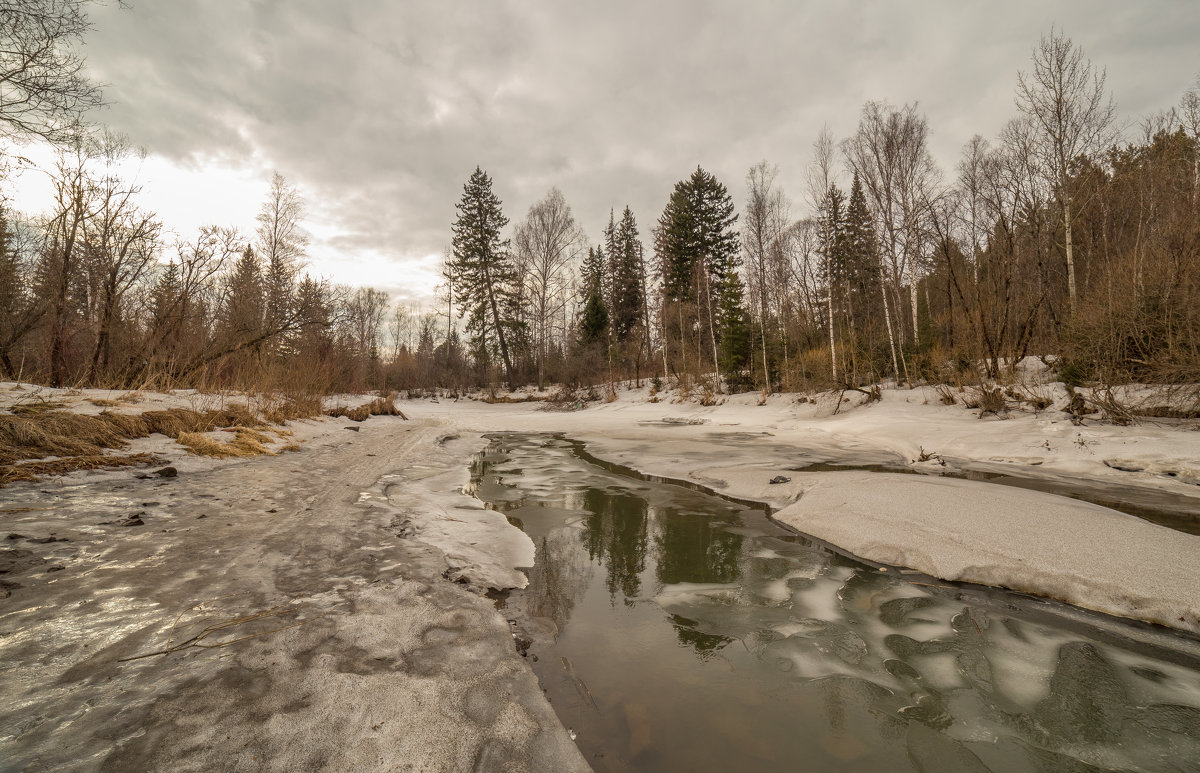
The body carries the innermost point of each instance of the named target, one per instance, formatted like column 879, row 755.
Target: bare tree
column 766, row 223
column 820, row 180
column 121, row 240
column 1065, row 98
column 1189, row 117
column 179, row 333
column 44, row 90
column 547, row 244
column 73, row 203
column 281, row 243
column 890, row 153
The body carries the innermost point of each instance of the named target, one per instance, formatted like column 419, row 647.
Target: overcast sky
column 379, row 111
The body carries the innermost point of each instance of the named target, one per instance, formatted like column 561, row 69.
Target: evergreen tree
column 166, row 296
column 736, row 331
column 242, row 315
column 626, row 293
column 611, row 248
column 10, row 273
column 593, row 322
column 831, row 220
column 315, row 318
column 698, row 250
column 859, row 269
column 487, row 281
column 593, row 270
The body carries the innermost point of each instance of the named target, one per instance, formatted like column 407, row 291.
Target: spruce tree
column 861, row 271
column 242, row 315
column 736, row 332
column 166, row 295
column 593, row 270
column 831, row 221
column 593, row 321
column 483, row 266
column 626, row 282
column 699, row 250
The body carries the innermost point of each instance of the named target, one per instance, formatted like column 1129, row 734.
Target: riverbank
column 266, row 613
column 961, row 530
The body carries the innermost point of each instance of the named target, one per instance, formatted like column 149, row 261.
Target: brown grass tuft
column 37, row 470
column 293, row 408
column 37, row 409
column 101, row 402
column 199, row 444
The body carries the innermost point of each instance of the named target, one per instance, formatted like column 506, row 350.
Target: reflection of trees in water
column 560, row 576
column 615, row 534
column 705, row 644
column 690, row 549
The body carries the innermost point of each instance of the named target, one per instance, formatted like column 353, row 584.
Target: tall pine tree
column 483, row 266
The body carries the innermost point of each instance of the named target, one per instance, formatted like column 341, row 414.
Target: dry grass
column 987, row 399
column 38, row 408
column 101, row 402
column 38, row 470
column 39, row 430
column 381, row 406
column 246, row 442
column 293, row 408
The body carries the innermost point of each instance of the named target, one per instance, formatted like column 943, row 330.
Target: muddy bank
column 354, row 647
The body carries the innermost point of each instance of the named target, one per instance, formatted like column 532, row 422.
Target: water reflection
column 694, row 634
column 615, row 535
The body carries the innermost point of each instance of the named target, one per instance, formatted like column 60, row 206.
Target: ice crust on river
column 1087, row 555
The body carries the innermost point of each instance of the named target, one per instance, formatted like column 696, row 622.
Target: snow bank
column 482, row 548
column 1086, row 555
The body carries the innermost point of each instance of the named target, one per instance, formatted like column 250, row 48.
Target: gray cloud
column 381, row 110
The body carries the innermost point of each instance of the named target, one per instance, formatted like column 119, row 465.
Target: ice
column 1087, row 700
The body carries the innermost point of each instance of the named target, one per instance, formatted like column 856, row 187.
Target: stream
column 676, row 630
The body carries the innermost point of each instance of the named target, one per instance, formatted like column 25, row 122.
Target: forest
column 1073, row 236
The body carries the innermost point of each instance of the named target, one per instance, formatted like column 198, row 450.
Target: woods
column 1066, row 236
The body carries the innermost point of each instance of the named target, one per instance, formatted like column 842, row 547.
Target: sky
column 379, row 111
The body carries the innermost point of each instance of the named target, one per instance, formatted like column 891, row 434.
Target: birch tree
column 548, row 244
column 1065, row 98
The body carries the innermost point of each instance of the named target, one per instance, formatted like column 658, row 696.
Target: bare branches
column 44, row 90
column 1065, row 99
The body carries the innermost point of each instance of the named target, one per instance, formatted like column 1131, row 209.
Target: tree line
column 1063, row 237
column 1060, row 239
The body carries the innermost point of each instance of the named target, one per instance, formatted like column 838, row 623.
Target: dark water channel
column 683, row 632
